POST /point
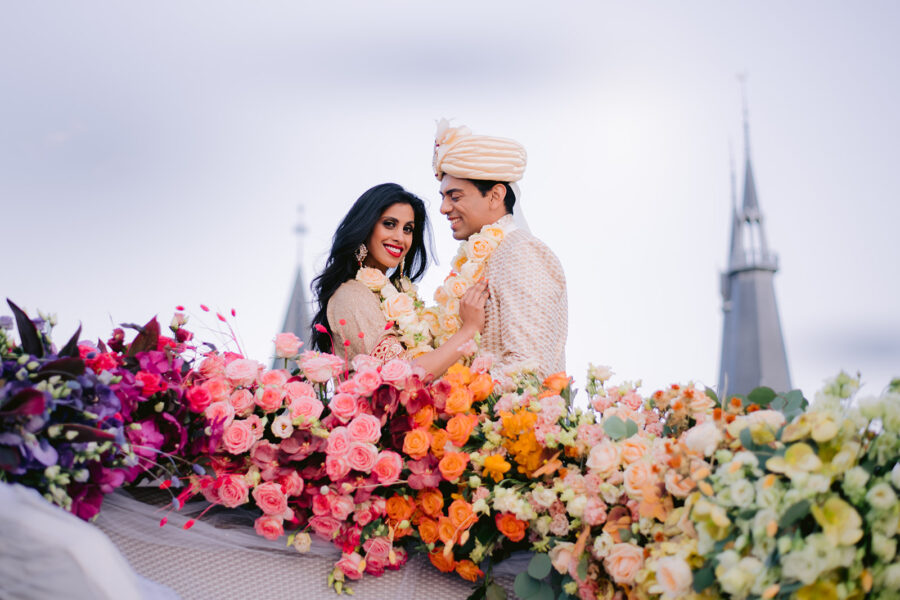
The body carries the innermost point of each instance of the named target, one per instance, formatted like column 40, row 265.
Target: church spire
column 753, row 352
column 297, row 318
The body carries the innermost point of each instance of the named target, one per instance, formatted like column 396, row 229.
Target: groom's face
column 464, row 206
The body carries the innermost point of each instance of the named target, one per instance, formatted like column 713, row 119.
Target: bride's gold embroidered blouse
column 360, row 308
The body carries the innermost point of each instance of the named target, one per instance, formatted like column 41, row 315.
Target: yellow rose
column 397, row 306
column 372, row 278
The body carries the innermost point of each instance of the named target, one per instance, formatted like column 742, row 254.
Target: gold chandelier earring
column 361, row 253
column 402, row 264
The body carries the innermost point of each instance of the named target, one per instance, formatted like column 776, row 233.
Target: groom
column 527, row 314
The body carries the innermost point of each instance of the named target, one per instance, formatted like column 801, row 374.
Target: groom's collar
column 507, row 223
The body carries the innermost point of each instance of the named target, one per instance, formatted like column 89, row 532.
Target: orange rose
column 428, row 530
column 468, row 570
column 399, row 508
column 460, row 400
column 458, row 374
column 460, row 427
column 510, row 526
column 424, row 417
column 447, row 531
column 557, row 382
column 438, row 441
column 633, row 449
column 453, row 464
column 416, row 443
column 482, row 386
column 431, row 501
column 461, row 514
column 443, row 563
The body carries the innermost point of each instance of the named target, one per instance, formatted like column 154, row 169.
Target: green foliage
column 618, row 429
column 540, row 566
column 761, row 396
column 794, row 513
column 704, row 577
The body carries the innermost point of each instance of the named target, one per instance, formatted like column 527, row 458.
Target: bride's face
column 391, row 237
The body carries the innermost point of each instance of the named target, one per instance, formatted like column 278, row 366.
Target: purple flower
column 423, row 473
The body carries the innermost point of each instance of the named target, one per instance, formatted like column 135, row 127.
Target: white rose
column 373, row 279
column 881, row 496
column 703, row 438
column 856, row 478
column 674, row 576
column 892, row 577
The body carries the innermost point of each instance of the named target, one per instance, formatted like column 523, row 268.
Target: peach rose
column 362, row 456
column 395, row 370
column 479, row 247
column 373, row 279
column 243, row 372
column 416, row 443
column 424, row 417
column 388, row 466
column 468, row 570
column 428, row 530
column 270, row 498
column 242, row 401
column 563, row 559
column 233, row 490
column 453, row 464
column 623, row 562
column 441, row 296
column 269, row 399
column 449, row 321
column 677, row 485
column 638, row 476
column 604, row 458
column 269, row 527
column 287, row 345
column 398, row 305
column 633, row 449
column 238, row 437
column 456, row 286
column 438, row 442
column 445, row 564
column 492, row 232
column 473, row 271
column 481, row 386
column 399, row 508
column 461, row 514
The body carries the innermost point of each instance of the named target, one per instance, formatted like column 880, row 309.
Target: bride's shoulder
column 353, row 291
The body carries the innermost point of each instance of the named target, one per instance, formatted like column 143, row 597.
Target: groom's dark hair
column 485, row 186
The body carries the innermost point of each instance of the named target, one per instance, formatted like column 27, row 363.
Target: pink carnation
column 270, row 499
column 365, row 428
column 594, row 512
column 387, row 467
column 362, row 456
column 269, row 527
column 343, row 406
column 395, row 370
column 238, row 437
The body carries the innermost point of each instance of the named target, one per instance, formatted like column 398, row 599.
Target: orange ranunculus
column 431, row 501
column 443, row 563
column 428, row 530
column 460, row 400
column 557, row 382
column 458, row 375
column 510, row 526
column 482, row 386
column 438, row 441
column 453, row 464
column 460, row 427
column 447, row 531
column 469, row 570
column 424, row 417
column 399, row 508
column 461, row 514
column 496, row 466
column 416, row 443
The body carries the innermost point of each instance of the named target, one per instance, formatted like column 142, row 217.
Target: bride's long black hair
column 354, row 230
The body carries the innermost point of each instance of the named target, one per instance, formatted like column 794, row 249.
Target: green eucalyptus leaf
column 704, row 577
column 526, row 586
column 747, row 439
column 761, row 396
column 615, row 427
column 545, row 592
column 582, row 568
column 631, row 428
column 495, row 592
column 540, row 566
column 713, row 396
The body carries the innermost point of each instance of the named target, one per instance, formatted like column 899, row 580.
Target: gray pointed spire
column 753, row 352
column 297, row 318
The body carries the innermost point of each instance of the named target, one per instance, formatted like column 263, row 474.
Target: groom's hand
column 471, row 306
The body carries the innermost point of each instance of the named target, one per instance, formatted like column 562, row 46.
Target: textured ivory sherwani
column 527, row 314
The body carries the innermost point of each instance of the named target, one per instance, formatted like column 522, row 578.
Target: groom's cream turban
column 459, row 153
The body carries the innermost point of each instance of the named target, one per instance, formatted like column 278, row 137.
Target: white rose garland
column 402, row 308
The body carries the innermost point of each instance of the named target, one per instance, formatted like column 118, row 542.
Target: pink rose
column 299, row 389
column 263, row 453
column 321, row 505
column 242, row 401
column 320, row 368
column 220, row 411
column 212, row 366
column 243, row 372
column 233, row 490
column 362, row 362
column 287, row 345
column 349, row 386
column 269, row 527
column 238, row 437
column 362, row 456
column 363, row 517
column 604, row 458
column 623, row 562
column 365, row 428
column 563, row 559
column 338, row 442
column 276, row 377
column 306, row 407
column 343, row 406
column 337, row 467
column 218, row 389
column 378, row 548
column 325, row 527
column 395, row 370
column 367, row 381
column 351, row 565
column 341, row 506
column 198, row 399
column 387, row 467
column 594, row 512
column 270, row 499
column 269, row 399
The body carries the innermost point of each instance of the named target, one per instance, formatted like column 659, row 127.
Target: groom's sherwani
column 527, row 315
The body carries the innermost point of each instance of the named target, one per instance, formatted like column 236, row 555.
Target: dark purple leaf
column 25, row 402
column 31, row 339
column 69, row 367
column 9, row 458
column 71, row 347
column 147, row 339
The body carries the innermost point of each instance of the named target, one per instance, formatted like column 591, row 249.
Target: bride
column 366, row 298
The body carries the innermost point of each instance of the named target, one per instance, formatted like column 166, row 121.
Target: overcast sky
column 156, row 155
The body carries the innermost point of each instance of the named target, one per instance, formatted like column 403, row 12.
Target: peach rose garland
column 402, row 308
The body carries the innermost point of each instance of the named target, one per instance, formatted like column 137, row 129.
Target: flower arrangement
column 402, row 308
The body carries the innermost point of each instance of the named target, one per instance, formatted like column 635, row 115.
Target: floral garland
column 402, row 308
column 467, row 268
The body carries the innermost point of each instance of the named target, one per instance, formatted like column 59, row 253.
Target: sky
column 162, row 155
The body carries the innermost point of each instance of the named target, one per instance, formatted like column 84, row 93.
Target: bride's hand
column 471, row 306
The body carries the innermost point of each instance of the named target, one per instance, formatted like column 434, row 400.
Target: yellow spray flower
column 840, row 522
column 496, row 466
